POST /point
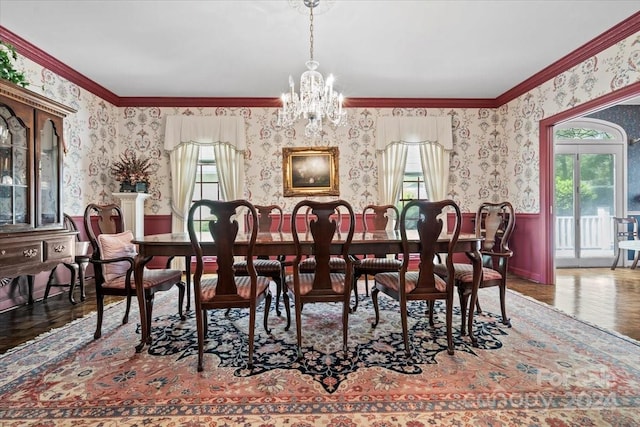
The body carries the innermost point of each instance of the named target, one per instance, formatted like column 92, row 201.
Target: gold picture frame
column 310, row 171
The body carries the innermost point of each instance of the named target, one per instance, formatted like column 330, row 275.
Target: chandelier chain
column 311, row 32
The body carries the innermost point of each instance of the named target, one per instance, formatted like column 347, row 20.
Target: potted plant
column 132, row 172
column 7, row 72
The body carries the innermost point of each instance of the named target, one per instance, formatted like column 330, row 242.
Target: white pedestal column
column 133, row 211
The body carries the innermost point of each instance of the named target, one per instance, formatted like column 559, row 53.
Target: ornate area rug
column 549, row 369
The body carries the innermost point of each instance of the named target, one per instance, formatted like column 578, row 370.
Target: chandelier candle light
column 317, row 99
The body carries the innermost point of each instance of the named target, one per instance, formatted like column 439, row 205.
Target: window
column 413, row 185
column 207, row 184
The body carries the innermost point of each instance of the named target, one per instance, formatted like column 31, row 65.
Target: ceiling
column 375, row 49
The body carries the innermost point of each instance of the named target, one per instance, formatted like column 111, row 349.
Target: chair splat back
column 379, row 217
column 266, row 217
column 429, row 226
column 495, row 222
column 110, row 220
column 323, row 225
column 224, row 228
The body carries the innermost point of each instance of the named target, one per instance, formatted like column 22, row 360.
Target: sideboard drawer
column 59, row 248
column 28, row 253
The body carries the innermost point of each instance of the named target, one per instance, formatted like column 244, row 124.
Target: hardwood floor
column 610, row 299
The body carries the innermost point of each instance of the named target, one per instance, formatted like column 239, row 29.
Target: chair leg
column 354, row 285
column 432, row 309
column 635, row 260
column 267, row 304
column 82, row 269
column 50, row 281
column 252, row 326
column 278, row 282
column 287, row 304
column 125, row 318
column 366, row 285
column 99, row 310
column 449, row 323
column 298, row 305
column 374, row 299
column 615, row 261
column 149, row 310
column 464, row 301
column 200, row 319
column 503, row 306
column 478, row 308
column 405, row 328
column 73, row 268
column 181, row 292
column 345, row 323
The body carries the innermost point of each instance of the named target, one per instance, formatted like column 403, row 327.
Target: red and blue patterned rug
column 549, row 369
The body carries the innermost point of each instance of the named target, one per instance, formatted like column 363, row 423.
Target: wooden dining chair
column 322, row 284
column 336, row 264
column 424, row 284
column 270, row 217
column 376, row 218
column 494, row 223
column 77, row 268
column 225, row 290
column 113, row 262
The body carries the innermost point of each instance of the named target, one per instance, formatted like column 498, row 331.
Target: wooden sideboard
column 32, row 237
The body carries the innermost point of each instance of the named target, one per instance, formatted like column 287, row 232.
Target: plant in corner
column 8, row 55
column 132, row 172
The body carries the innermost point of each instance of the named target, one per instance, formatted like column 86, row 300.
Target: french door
column 589, row 183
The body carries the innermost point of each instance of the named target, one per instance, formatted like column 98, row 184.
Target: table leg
column 187, row 269
column 138, row 271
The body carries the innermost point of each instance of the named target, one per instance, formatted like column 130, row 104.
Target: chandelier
column 317, row 99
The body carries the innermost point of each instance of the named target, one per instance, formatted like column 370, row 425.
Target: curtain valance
column 414, row 130
column 204, row 130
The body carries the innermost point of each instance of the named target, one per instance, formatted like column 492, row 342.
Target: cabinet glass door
column 14, row 164
column 48, row 171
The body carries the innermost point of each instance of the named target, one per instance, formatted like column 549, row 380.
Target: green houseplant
column 132, row 172
column 8, row 55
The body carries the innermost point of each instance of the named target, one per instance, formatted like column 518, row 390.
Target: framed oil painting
column 310, row 171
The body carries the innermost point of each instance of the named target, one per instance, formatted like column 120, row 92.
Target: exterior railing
column 596, row 231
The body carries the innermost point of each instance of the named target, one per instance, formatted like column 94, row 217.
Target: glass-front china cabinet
column 32, row 238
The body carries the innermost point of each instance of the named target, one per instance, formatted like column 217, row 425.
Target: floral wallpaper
column 496, row 151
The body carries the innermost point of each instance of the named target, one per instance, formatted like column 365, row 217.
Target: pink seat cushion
column 151, row 278
column 335, row 263
column 261, row 265
column 392, row 281
column 464, row 272
column 375, row 265
column 243, row 286
column 306, row 282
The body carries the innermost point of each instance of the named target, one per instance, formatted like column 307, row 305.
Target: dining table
column 282, row 243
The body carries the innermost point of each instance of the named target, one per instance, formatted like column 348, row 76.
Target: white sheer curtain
column 183, row 161
column 390, row 172
column 230, row 164
column 183, row 137
column 435, row 137
column 435, row 167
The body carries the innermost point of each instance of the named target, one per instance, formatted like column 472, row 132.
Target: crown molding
column 605, row 40
column 47, row 61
